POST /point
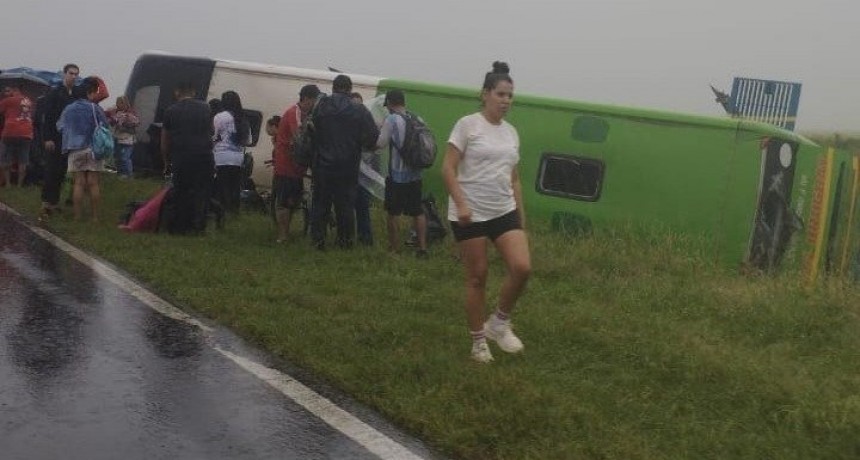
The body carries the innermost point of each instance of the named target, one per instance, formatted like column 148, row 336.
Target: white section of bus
column 271, row 90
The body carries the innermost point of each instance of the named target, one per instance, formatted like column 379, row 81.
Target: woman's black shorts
column 491, row 229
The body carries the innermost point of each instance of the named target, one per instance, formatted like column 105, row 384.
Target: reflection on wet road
column 88, row 370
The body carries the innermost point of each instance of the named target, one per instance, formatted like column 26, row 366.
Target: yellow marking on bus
column 855, row 190
column 822, row 217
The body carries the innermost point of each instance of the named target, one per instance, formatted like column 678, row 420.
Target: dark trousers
column 192, row 188
column 362, row 216
column 338, row 191
column 227, row 186
column 56, row 166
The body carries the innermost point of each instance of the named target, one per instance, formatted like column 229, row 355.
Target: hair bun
column 501, row 67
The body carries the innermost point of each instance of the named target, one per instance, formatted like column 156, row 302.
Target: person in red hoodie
column 17, row 134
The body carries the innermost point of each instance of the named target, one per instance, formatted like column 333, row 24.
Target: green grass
column 637, row 347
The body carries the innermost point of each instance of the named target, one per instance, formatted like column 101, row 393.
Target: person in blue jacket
column 77, row 123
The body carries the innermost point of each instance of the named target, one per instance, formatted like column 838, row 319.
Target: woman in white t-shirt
column 231, row 134
column 485, row 204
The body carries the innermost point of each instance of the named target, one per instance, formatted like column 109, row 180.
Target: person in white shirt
column 232, row 133
column 485, row 204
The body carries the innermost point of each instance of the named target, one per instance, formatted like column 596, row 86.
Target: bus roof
column 270, row 69
column 267, row 69
column 632, row 113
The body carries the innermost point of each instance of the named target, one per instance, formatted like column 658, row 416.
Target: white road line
column 136, row 290
column 360, row 432
column 341, row 420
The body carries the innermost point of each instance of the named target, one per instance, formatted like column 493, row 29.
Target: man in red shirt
column 17, row 112
column 288, row 183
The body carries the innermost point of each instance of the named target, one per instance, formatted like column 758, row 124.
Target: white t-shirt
column 490, row 153
column 226, row 152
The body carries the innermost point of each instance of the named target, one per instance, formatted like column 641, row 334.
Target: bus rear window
column 145, row 104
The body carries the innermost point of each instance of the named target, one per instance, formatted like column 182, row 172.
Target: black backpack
column 419, row 145
column 304, row 149
column 436, row 228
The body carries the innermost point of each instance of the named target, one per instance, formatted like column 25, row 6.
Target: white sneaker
column 501, row 332
column 481, row 352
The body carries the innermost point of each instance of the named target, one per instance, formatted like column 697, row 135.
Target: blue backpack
column 102, row 139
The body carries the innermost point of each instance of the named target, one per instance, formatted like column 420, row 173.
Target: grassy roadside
column 636, row 348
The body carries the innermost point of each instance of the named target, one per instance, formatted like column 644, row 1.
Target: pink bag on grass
column 145, row 219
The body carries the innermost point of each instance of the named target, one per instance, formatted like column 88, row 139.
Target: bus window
column 570, row 176
column 255, row 119
column 146, row 104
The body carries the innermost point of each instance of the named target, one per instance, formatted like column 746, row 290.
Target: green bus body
column 690, row 173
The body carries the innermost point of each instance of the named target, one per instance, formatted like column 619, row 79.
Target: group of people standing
column 65, row 120
column 479, row 170
column 60, row 124
column 205, row 153
column 343, row 131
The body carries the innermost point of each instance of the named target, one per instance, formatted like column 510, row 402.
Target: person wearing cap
column 403, row 183
column 342, row 129
column 288, row 180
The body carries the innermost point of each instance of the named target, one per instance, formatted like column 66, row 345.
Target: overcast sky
column 647, row 53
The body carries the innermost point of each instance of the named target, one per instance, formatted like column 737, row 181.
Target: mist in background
column 659, row 54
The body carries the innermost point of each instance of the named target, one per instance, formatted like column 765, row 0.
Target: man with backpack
column 403, row 184
column 289, row 176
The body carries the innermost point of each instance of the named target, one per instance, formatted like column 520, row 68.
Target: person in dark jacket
column 341, row 130
column 47, row 114
column 186, row 146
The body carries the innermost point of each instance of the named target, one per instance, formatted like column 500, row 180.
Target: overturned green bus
column 765, row 197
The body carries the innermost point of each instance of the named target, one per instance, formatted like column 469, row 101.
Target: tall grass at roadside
column 637, row 347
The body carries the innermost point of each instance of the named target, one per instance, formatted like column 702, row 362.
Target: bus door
column 775, row 222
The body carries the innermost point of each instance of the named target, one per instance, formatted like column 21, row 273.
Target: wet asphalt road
column 89, row 371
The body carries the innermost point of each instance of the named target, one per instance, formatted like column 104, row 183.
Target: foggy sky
column 658, row 54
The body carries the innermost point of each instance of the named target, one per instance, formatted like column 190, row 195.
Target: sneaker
column 501, row 332
column 481, row 352
column 44, row 214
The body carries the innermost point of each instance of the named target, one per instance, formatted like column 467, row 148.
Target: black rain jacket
column 342, row 129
